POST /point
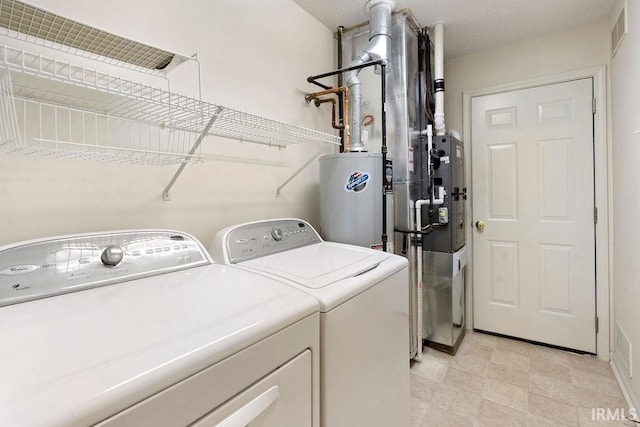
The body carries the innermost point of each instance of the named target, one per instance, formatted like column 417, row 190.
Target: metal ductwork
column 378, row 49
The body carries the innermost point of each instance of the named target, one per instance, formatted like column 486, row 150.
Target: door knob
column 480, row 225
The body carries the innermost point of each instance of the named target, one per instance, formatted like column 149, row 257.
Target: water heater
column 352, row 186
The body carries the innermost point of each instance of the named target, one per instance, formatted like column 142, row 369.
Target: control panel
column 258, row 239
column 60, row 265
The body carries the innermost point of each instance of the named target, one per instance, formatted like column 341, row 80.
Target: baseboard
column 625, row 386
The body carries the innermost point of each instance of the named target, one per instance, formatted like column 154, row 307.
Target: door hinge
column 593, row 105
column 597, row 325
column 595, row 215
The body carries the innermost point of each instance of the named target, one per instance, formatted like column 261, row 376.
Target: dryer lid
column 319, row 265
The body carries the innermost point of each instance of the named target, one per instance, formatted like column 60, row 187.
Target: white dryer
column 364, row 314
column 173, row 340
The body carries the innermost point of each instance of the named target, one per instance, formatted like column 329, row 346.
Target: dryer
column 364, row 314
column 139, row 328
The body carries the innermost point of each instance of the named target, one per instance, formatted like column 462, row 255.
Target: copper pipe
column 344, row 92
column 345, row 119
column 319, row 101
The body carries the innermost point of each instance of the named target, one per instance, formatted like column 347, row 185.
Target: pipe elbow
column 352, row 76
column 379, row 49
column 352, row 79
column 420, row 203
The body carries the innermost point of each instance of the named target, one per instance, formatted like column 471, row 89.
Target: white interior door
column 533, row 188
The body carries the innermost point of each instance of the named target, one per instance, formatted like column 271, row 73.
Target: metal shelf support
column 165, row 194
column 296, row 173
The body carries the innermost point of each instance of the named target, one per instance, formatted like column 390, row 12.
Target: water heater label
column 357, row 182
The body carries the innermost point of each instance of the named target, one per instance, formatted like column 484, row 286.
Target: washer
column 364, row 314
column 139, row 328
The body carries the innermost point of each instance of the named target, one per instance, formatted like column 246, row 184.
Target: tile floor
column 496, row 381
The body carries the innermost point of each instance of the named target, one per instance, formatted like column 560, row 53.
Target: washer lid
column 77, row 358
column 317, row 266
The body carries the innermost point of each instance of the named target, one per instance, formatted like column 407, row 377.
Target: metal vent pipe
column 378, row 49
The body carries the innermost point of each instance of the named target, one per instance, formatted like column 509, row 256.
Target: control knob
column 276, row 233
column 112, row 256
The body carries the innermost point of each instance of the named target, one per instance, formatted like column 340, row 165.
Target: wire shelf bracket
column 296, row 173
column 166, row 196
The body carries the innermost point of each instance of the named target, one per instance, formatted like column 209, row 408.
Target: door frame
column 602, row 182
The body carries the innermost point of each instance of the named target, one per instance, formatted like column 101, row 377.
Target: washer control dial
column 112, row 256
column 276, row 233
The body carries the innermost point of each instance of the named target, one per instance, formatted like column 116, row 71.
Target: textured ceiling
column 473, row 25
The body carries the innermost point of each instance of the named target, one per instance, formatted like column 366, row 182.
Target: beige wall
column 254, row 56
column 573, row 49
column 625, row 113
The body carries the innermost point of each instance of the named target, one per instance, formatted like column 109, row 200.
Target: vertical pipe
column 438, row 117
column 423, row 119
column 430, row 169
column 383, row 89
column 418, row 208
column 340, row 84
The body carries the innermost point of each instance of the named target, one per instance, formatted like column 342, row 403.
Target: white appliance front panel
column 364, row 365
column 281, row 399
column 234, row 378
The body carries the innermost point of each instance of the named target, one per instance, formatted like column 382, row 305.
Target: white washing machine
column 173, row 340
column 364, row 314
